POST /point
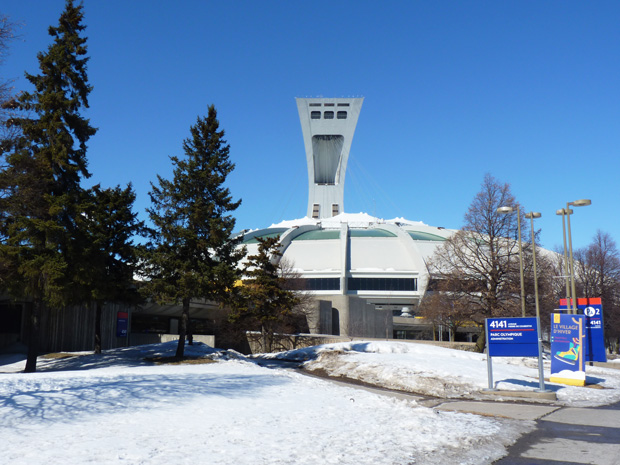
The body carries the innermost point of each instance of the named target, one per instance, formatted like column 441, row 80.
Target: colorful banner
column 592, row 308
column 568, row 338
column 512, row 337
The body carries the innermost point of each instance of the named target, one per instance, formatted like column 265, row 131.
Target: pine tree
column 265, row 300
column 40, row 184
column 109, row 258
column 190, row 254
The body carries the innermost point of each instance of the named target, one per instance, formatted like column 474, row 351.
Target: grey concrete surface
column 571, row 436
column 587, row 416
column 561, row 450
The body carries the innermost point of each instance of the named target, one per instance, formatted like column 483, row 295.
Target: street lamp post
column 531, row 216
column 506, row 211
column 541, row 373
column 576, row 203
column 564, row 212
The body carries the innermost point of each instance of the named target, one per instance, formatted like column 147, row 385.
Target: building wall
column 73, row 329
column 356, row 317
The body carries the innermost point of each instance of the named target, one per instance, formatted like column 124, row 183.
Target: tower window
column 342, row 115
column 315, row 104
column 335, row 209
column 327, row 153
column 315, row 114
column 329, row 104
column 343, row 104
column 315, row 210
column 328, row 115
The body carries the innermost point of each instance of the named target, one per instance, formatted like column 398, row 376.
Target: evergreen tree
column 40, row 184
column 191, row 254
column 265, row 300
column 109, row 256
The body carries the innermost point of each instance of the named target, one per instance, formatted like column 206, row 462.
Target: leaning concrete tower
column 328, row 125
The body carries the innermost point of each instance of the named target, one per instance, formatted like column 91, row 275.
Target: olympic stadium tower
column 350, row 260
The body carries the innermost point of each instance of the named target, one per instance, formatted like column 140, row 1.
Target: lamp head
column 581, row 202
column 564, row 211
column 533, row 215
column 505, row 210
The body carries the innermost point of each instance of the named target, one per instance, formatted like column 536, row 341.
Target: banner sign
column 512, row 337
column 567, row 349
column 122, row 319
column 592, row 309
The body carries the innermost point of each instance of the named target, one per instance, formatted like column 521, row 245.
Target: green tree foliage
column 479, row 265
column 190, row 254
column 40, row 183
column 109, row 257
column 265, row 299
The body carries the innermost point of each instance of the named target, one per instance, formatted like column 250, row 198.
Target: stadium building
column 373, row 272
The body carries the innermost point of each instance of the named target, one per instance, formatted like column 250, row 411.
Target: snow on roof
column 354, row 220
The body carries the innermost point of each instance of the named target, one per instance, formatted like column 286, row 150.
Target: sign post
column 513, row 337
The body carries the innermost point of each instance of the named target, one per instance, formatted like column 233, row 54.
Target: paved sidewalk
column 564, row 435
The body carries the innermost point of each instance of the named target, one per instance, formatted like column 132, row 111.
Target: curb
column 547, row 395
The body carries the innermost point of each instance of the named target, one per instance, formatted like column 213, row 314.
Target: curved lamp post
column 576, row 203
column 541, row 376
column 564, row 212
column 531, row 216
column 507, row 211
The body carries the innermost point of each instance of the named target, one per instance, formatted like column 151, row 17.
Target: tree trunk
column 265, row 337
column 33, row 336
column 482, row 339
column 190, row 334
column 98, row 327
column 183, row 328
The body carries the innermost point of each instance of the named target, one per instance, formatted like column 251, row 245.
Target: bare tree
column 7, row 104
column 444, row 310
column 479, row 264
column 597, row 270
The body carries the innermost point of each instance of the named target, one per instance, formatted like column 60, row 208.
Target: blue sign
column 592, row 308
column 122, row 319
column 595, row 339
column 568, row 338
column 512, row 337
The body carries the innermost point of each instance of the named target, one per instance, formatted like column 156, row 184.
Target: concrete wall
column 319, row 317
column 138, row 339
column 73, row 329
column 350, row 316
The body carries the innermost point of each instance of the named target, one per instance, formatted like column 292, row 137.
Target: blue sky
column 525, row 90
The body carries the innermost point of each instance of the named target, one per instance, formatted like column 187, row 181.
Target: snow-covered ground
column 447, row 373
column 118, row 408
